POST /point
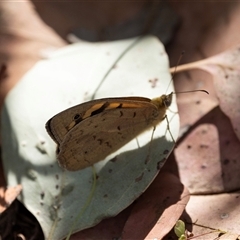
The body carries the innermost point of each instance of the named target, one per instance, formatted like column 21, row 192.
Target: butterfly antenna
column 198, row 90
column 175, row 68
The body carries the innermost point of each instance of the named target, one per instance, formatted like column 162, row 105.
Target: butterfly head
column 167, row 100
column 163, row 102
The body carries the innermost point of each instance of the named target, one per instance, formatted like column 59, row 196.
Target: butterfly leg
column 168, row 129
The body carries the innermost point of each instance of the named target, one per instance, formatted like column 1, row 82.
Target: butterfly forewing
column 59, row 125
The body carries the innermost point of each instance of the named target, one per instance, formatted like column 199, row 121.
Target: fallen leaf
column 221, row 212
column 7, row 196
column 158, row 209
column 208, row 156
column 225, row 69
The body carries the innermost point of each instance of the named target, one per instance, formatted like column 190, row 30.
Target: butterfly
column 87, row 133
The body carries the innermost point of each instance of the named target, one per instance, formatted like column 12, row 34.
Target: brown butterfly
column 87, row 133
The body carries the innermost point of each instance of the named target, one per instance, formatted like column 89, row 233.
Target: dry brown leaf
column 24, row 40
column 211, row 149
column 157, row 210
column 214, row 213
column 225, row 69
column 7, row 196
column 207, row 156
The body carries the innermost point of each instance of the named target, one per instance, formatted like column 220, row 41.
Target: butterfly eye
column 167, row 100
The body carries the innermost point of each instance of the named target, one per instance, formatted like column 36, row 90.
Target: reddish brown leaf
column 221, row 212
column 158, row 209
column 225, row 69
column 7, row 196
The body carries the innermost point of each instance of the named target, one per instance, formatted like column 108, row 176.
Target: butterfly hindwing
column 95, row 138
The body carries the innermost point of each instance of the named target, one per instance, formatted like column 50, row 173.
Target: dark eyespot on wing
column 76, row 117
